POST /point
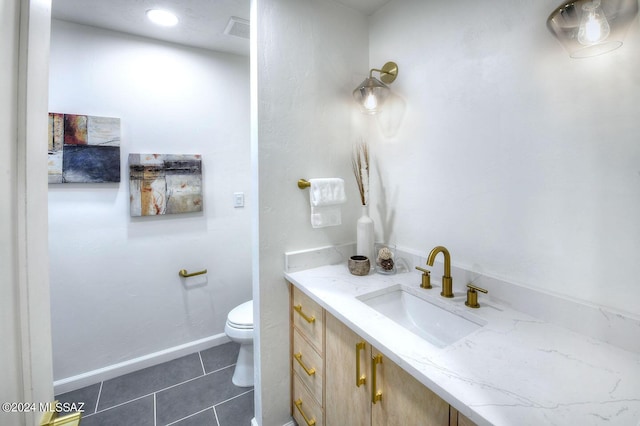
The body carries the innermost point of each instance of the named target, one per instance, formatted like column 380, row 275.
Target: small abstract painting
column 83, row 149
column 165, row 184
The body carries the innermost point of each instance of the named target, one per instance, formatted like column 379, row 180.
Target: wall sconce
column 371, row 93
column 592, row 27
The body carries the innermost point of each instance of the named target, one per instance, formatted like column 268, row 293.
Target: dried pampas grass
column 360, row 164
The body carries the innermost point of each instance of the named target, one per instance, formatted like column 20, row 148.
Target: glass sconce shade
column 370, row 95
column 592, row 27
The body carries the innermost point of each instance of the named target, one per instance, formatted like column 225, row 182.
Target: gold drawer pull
column 311, row 422
column 361, row 379
column 309, row 371
column 376, row 395
column 309, row 319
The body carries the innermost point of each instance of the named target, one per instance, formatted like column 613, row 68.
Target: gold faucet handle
column 475, row 288
column 472, row 295
column 426, row 277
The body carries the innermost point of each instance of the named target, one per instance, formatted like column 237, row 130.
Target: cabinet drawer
column 308, row 317
column 306, row 410
column 308, row 365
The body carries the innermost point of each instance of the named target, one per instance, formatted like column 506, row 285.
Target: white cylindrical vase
column 365, row 235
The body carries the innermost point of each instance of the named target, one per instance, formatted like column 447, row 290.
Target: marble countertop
column 515, row 370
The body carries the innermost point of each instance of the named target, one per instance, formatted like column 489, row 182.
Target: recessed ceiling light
column 162, row 17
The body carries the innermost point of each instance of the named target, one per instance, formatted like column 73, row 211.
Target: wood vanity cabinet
column 333, row 374
column 458, row 419
column 307, row 360
column 364, row 388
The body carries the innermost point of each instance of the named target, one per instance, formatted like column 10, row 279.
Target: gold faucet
column 447, row 281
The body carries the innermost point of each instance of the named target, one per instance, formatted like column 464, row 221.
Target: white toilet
column 239, row 328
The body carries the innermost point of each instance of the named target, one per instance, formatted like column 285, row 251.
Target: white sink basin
column 411, row 308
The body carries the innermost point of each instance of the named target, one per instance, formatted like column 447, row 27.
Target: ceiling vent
column 237, row 27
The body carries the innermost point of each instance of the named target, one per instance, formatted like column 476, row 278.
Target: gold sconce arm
column 183, row 273
column 388, row 73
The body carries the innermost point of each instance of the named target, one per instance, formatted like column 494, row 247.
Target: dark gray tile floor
column 194, row 390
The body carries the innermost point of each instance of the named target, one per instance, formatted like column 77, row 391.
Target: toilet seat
column 241, row 317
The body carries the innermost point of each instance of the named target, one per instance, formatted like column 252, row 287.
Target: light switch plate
column 238, row 199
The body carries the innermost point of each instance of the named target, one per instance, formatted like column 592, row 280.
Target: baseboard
column 109, row 372
column 254, row 422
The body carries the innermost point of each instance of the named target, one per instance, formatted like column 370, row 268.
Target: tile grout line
column 121, row 404
column 190, row 415
column 163, row 389
column 232, row 398
column 99, row 395
column 215, row 413
column 192, row 379
column 213, row 407
column 154, row 393
column 202, row 363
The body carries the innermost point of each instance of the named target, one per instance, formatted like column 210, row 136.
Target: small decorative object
column 385, row 262
column 83, row 149
column 359, row 265
column 364, row 228
column 164, row 184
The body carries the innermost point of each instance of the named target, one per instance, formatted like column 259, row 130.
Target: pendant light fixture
column 371, row 93
column 592, row 27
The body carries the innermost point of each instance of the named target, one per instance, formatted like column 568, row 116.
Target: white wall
column 24, row 310
column 11, row 385
column 311, row 54
column 116, row 293
column 523, row 162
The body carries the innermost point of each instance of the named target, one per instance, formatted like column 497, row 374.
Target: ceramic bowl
column 359, row 265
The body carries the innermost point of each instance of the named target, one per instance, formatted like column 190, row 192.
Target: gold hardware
column 185, row 274
column 472, row 296
column 311, row 422
column 361, row 379
column 50, row 418
column 303, row 183
column 426, row 277
column 309, row 371
column 388, row 73
column 376, row 395
column 447, row 281
column 309, row 319
column 371, row 93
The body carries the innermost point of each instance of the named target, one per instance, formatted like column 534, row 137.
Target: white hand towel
column 325, row 197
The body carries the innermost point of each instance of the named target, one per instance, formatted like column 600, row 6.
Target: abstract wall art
column 83, row 149
column 164, row 184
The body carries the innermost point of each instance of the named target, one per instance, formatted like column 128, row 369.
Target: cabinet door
column 346, row 403
column 404, row 400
